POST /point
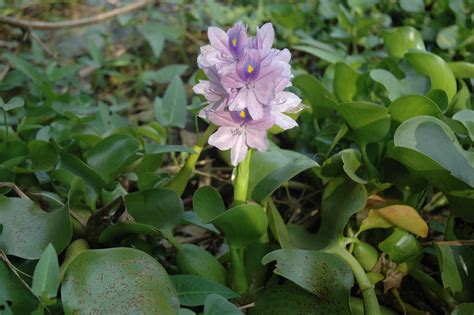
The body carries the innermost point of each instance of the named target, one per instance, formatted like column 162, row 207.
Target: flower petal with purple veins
column 222, row 118
column 248, row 68
column 257, row 139
column 239, row 149
column 237, row 40
column 223, row 138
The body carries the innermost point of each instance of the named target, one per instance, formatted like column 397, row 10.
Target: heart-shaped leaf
column 436, row 69
column 117, row 280
column 208, row 203
column 409, row 106
column 122, row 149
column 159, row 207
column 322, row 274
column 369, row 121
column 400, row 39
column 27, row 230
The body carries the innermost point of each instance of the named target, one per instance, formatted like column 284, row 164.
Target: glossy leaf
column 466, row 117
column 461, row 69
column 159, row 207
column 20, row 298
column 320, row 98
column 27, row 230
column 399, row 40
column 341, row 199
column 43, row 155
column 122, row 280
column 436, row 69
column 449, row 271
column 171, row 110
column 322, row 274
column 409, row 106
column 345, row 82
column 332, row 56
column 401, row 216
column 193, row 290
column 395, row 87
column 369, row 121
column 120, row 148
column 46, row 276
column 118, row 230
column 152, row 148
column 208, row 203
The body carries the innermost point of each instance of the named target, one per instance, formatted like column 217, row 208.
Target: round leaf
column 408, row 106
column 117, row 280
column 399, row 40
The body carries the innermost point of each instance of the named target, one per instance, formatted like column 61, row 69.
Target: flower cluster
column 245, row 91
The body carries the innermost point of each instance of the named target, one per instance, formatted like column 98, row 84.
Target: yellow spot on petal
column 249, row 69
column 234, row 42
column 242, row 114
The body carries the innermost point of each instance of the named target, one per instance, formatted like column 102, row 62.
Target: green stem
column 371, row 305
column 373, row 173
column 241, row 183
column 430, row 284
column 173, row 241
column 6, row 124
column 237, row 271
column 179, row 182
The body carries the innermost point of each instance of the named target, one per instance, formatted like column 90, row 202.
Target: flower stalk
column 179, row 182
column 241, row 183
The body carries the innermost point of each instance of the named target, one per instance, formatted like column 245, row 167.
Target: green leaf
column 27, row 230
column 436, row 69
column 400, row 246
column 341, row 199
column 13, row 103
column 395, row 87
column 218, row 305
column 447, row 37
column 118, row 230
column 461, row 69
column 409, row 106
column 278, row 227
column 273, row 168
column 322, row 274
column 26, row 68
column 191, row 217
column 15, row 292
column 351, row 163
column 171, row 110
column 331, row 56
column 153, row 148
column 117, row 280
column 13, row 152
column 208, row 203
column 345, row 82
column 152, row 33
column 46, row 276
column 6, row 176
column 369, row 121
column 120, row 148
column 466, row 117
column 463, row 309
column 194, row 260
column 165, row 74
column 43, row 155
column 321, row 99
column 447, row 266
column 412, row 6
column 193, row 290
column 400, row 39
column 436, row 141
column 242, row 224
column 158, row 207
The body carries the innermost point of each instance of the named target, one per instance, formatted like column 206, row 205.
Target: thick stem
column 371, row 305
column 237, row 271
column 241, row 183
column 430, row 284
column 373, row 173
column 179, row 182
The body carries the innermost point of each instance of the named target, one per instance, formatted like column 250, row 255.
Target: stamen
column 234, row 42
column 242, row 114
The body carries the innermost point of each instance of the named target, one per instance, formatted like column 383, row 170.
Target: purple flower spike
column 245, row 92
